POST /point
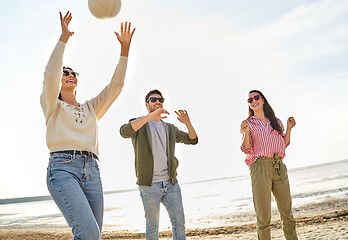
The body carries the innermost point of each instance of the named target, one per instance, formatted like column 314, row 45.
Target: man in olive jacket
column 155, row 164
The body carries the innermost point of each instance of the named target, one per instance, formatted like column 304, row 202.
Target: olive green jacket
column 142, row 144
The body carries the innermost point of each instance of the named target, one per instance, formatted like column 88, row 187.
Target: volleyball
column 103, row 9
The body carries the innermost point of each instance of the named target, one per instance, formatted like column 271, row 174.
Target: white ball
column 103, row 9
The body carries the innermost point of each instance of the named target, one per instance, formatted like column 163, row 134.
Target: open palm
column 183, row 116
column 125, row 35
column 64, row 22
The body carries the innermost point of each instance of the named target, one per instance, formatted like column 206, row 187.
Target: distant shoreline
column 327, row 219
column 48, row 197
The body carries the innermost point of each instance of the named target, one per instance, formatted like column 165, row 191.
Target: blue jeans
column 171, row 198
column 75, row 185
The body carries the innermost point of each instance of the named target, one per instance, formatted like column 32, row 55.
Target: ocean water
column 208, row 203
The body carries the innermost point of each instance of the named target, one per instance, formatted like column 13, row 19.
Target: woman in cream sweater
column 73, row 177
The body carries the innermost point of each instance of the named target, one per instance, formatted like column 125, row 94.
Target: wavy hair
column 269, row 113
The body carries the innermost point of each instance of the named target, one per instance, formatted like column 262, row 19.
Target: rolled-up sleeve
column 244, row 150
column 183, row 137
column 127, row 130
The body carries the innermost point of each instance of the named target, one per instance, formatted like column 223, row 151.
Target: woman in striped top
column 264, row 143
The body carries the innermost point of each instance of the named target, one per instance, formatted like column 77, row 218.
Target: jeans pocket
column 142, row 190
column 175, row 187
column 60, row 158
column 96, row 164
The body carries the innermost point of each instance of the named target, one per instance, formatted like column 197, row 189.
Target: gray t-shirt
column 159, row 151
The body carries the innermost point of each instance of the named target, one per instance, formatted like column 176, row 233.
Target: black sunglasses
column 67, row 73
column 256, row 97
column 154, row 99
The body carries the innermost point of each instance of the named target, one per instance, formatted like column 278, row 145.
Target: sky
column 205, row 56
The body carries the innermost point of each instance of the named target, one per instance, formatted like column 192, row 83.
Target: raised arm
column 290, row 124
column 125, row 38
column 244, row 127
column 53, row 71
column 103, row 101
column 155, row 115
column 64, row 22
column 184, row 118
column 129, row 130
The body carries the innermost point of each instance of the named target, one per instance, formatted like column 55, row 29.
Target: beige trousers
column 270, row 175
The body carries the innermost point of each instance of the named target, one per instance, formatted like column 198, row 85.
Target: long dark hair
column 269, row 113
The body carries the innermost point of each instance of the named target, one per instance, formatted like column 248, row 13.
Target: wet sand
column 326, row 220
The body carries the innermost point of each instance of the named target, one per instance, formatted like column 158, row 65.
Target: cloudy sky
column 203, row 55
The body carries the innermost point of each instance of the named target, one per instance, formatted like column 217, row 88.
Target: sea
column 208, row 203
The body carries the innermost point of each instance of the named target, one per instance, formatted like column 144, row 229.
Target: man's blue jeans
column 171, row 198
column 75, row 185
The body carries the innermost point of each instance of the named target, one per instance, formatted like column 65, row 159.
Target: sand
column 327, row 220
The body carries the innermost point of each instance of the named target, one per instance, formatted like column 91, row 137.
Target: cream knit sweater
column 70, row 127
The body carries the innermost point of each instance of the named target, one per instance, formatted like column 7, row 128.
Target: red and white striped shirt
column 264, row 141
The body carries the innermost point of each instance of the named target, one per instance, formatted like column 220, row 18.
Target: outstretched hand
column 183, row 116
column 125, row 38
column 65, row 21
column 157, row 114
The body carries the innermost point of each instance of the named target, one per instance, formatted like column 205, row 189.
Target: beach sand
column 327, row 220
